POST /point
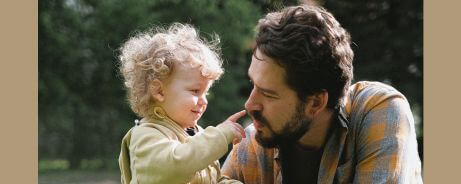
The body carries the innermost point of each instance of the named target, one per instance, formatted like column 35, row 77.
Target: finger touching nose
column 237, row 116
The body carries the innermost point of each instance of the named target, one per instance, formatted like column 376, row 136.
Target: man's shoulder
column 367, row 94
column 369, row 88
column 373, row 104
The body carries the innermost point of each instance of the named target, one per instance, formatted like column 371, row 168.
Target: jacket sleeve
column 124, row 159
column 386, row 140
column 159, row 159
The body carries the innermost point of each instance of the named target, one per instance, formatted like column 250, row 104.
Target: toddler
column 167, row 73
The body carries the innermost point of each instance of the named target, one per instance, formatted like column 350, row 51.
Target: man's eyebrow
column 272, row 92
column 264, row 90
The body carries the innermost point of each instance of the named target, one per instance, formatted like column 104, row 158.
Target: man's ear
column 156, row 89
column 316, row 102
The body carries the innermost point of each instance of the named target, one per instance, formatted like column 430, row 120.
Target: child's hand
column 239, row 133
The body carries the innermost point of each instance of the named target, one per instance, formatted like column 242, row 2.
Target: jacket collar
column 161, row 118
column 333, row 148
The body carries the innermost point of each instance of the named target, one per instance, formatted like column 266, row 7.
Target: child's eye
column 195, row 91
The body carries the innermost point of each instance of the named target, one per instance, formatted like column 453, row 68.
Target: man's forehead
column 257, row 55
column 265, row 72
column 263, row 63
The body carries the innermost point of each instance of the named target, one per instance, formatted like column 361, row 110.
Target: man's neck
column 316, row 136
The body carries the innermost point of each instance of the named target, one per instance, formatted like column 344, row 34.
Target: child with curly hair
column 167, row 73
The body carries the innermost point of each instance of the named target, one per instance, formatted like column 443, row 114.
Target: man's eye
column 195, row 91
column 267, row 95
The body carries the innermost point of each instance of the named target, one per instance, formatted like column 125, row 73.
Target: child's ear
column 156, row 88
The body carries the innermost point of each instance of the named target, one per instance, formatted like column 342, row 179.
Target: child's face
column 185, row 95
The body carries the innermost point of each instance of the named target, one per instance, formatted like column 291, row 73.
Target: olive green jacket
column 160, row 151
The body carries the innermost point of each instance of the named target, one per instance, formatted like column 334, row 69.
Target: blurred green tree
column 388, row 45
column 83, row 113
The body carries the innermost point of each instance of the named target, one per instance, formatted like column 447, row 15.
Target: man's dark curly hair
column 312, row 47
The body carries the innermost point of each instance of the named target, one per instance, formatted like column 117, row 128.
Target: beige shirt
column 160, row 151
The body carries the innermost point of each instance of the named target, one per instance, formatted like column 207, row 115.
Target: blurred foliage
column 388, row 45
column 83, row 113
column 388, row 42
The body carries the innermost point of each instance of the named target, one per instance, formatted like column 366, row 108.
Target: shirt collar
column 342, row 117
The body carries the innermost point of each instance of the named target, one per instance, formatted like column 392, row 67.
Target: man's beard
column 292, row 131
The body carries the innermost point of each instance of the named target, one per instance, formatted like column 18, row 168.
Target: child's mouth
column 197, row 112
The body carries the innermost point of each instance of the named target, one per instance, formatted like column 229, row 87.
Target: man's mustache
column 258, row 117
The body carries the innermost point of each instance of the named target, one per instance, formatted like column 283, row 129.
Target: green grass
column 57, row 171
column 79, row 177
column 53, row 165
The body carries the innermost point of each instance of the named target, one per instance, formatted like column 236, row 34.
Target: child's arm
column 159, row 159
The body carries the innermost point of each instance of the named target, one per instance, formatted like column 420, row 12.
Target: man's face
column 277, row 113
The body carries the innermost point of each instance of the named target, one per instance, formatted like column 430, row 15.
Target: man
column 309, row 124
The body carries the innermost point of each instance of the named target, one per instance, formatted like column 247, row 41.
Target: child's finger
column 237, row 116
column 240, row 129
column 237, row 139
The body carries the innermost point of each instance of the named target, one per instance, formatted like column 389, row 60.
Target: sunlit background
column 83, row 113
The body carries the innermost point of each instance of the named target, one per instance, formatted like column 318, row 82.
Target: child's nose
column 202, row 101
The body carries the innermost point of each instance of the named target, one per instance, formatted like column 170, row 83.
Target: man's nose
column 252, row 103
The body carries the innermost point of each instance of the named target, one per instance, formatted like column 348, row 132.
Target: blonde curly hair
column 151, row 55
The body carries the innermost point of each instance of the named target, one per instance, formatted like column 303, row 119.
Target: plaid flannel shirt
column 374, row 141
